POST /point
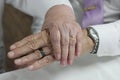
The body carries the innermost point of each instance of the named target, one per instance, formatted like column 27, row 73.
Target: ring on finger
column 43, row 54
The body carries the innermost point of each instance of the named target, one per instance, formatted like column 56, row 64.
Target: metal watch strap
column 92, row 33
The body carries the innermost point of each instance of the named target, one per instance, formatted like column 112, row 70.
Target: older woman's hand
column 65, row 33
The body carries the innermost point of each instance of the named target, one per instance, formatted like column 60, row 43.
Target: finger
column 47, row 50
column 71, row 50
column 24, row 41
column 41, row 63
column 24, row 65
column 30, row 46
column 55, row 41
column 79, row 44
column 64, row 44
column 32, row 57
column 29, row 58
column 72, row 44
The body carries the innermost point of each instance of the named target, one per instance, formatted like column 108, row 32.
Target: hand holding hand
column 65, row 33
column 26, row 53
column 61, row 35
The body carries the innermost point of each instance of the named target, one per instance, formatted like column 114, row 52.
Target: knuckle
column 32, row 45
column 72, row 42
column 29, row 38
column 39, row 63
column 79, row 35
column 73, row 32
column 25, row 59
column 65, row 42
column 47, row 59
column 29, row 57
column 56, row 49
column 79, row 39
column 44, row 38
column 72, row 45
column 66, row 26
column 17, row 43
column 53, row 26
column 55, row 41
column 37, row 54
column 66, row 23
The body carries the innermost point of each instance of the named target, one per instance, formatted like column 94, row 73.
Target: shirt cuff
column 109, row 39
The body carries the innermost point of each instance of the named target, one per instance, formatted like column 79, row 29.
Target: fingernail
column 18, row 61
column 70, row 62
column 58, row 56
column 13, row 47
column 64, row 63
column 11, row 54
column 31, row 67
column 78, row 54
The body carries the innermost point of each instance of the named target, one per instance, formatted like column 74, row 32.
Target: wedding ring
column 42, row 52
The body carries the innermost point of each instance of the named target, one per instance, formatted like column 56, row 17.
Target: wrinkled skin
column 61, row 39
column 65, row 33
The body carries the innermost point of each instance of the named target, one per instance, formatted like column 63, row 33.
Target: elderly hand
column 26, row 53
column 65, row 33
column 61, row 31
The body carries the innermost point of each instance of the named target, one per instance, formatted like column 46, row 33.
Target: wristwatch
column 92, row 33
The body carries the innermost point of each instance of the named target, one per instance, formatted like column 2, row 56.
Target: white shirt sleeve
column 37, row 9
column 109, row 35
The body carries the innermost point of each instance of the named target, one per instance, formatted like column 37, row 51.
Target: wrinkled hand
column 60, row 30
column 65, row 33
column 26, row 54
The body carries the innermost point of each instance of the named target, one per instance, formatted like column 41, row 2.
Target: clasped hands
column 61, row 39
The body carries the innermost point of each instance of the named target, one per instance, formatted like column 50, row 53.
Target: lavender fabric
column 93, row 16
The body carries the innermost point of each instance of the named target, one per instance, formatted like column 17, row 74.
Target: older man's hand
column 26, row 53
column 29, row 44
